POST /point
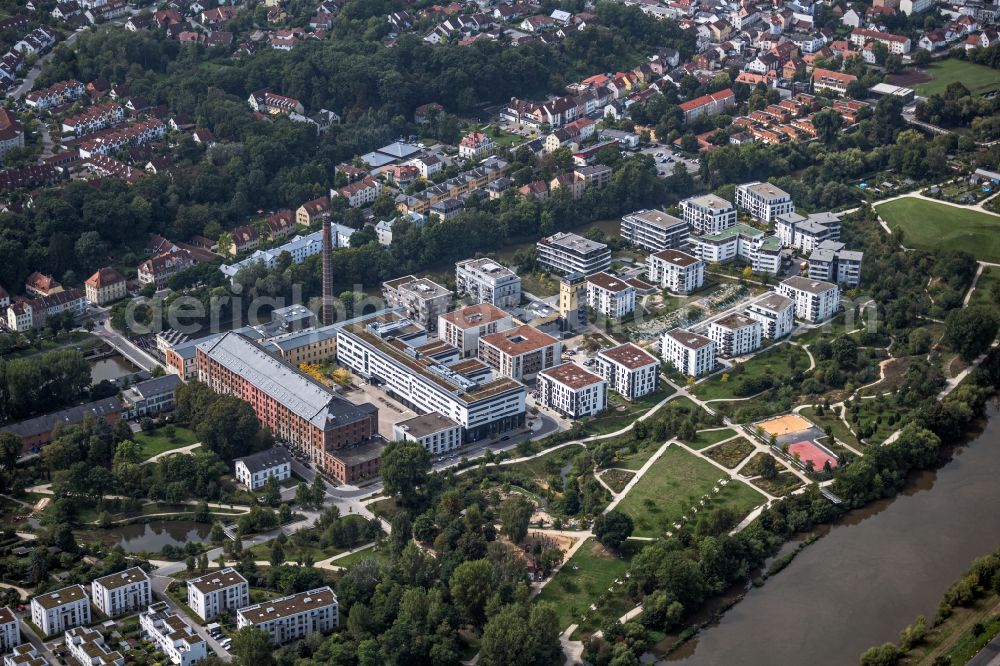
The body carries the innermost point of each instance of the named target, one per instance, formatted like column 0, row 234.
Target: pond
column 153, row 536
column 111, row 368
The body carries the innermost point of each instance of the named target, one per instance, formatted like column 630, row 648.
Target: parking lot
column 667, row 159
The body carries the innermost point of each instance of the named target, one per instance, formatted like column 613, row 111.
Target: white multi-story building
column 520, row 353
column 775, row 312
column 10, row 631
column 675, row 271
column 217, row 592
column 254, row 470
column 372, row 347
column 172, row 635
column 299, row 249
column 435, row 432
column 55, row 612
column 763, row 200
column 572, row 391
column 690, row 353
column 462, row 328
column 815, row 300
column 611, row 296
column 708, row 214
column 740, row 243
column 360, row 193
column 655, row 230
column 736, row 335
column 123, row 592
column 88, row 648
column 629, row 371
column 488, row 281
column 294, row 616
column 830, row 261
column 25, row 654
column 806, row 233
column 422, row 299
column 569, row 253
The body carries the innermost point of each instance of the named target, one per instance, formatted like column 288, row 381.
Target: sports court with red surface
column 809, row 451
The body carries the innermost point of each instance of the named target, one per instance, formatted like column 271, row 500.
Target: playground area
column 801, row 438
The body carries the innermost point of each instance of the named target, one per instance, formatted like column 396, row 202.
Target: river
column 872, row 574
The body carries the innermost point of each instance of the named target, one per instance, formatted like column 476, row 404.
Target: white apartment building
column 371, row 347
column 740, row 242
column 123, row 592
column 25, row 654
column 629, row 371
column 831, row 261
column 763, row 200
column 488, row 281
column 10, row 630
column 462, row 328
column 88, row 648
column 806, row 233
column 172, row 635
column 254, row 470
column 435, row 432
column 736, row 335
column 569, row 253
column 294, row 616
column 422, row 299
column 815, row 300
column 676, row 271
column 655, row 230
column 611, row 296
column 572, row 391
column 775, row 312
column 55, row 612
column 217, row 592
column 708, row 214
column 520, row 353
column 690, row 353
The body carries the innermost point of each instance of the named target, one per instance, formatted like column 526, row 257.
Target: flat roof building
column 675, row 271
column 55, row 612
column 572, row 391
column 123, row 592
column 655, row 230
column 520, row 353
column 488, row 281
column 569, row 253
column 217, row 592
column 763, row 200
column 433, row 431
column 736, row 335
column 25, row 654
column 611, row 296
column 10, row 630
column 462, row 328
column 422, row 299
column 690, row 353
column 815, row 300
column 172, row 635
column 294, row 616
column 775, row 312
column 708, row 214
column 88, row 648
column 629, row 370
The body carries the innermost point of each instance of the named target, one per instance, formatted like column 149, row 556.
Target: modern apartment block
column 572, row 391
column 294, row 616
column 88, row 648
column 815, row 300
column 736, row 335
column 462, row 328
column 629, row 371
column 217, row 592
column 655, row 230
column 568, row 253
column 611, row 296
column 520, row 353
column 10, row 630
column 341, row 438
column 676, row 271
column 708, row 214
column 435, row 432
column 123, row 592
column 55, row 612
column 690, row 353
column 488, row 281
column 376, row 348
column 25, row 654
column 830, row 261
column 763, row 200
column 775, row 312
column 806, row 233
column 740, row 242
column 422, row 299
column 254, row 470
column 172, row 635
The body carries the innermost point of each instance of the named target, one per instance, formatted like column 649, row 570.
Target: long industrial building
column 338, row 436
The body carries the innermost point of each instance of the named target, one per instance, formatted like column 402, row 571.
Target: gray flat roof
column 46, row 422
column 426, row 424
column 805, row 284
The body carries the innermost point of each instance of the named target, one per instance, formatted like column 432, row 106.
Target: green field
column 582, row 580
column 987, row 285
column 932, row 226
column 977, row 78
column 155, row 442
column 776, row 362
column 705, row 438
column 675, row 483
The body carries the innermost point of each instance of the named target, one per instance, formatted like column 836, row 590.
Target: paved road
column 989, row 655
column 159, row 584
column 125, row 347
column 36, row 641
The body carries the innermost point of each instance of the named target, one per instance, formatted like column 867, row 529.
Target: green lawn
column 987, row 285
column 932, row 226
column 837, row 427
column 156, row 442
column 977, row 78
column 622, row 413
column 382, row 556
column 706, row 438
column 675, row 483
column 583, row 580
column 776, row 362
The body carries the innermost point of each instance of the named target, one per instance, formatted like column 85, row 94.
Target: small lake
column 152, row 537
column 111, row 368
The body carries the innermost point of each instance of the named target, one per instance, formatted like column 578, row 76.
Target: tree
column 252, row 647
column 886, row 654
column 921, row 57
column 970, row 331
column 881, row 52
column 405, row 468
column 10, row 450
column 512, row 636
column 471, row 587
column 401, row 533
column 689, row 143
column 768, row 468
column 318, row 491
column 613, row 528
column 229, row 428
column 277, row 556
column 515, row 514
column 827, row 125
column 272, row 491
column 303, row 496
